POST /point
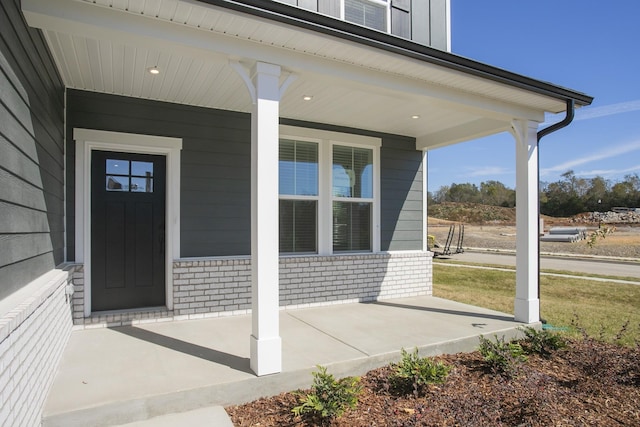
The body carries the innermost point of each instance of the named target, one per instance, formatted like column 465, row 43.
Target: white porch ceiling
column 108, row 46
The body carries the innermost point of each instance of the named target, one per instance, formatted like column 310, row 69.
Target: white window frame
column 89, row 140
column 326, row 140
column 386, row 4
column 333, row 198
column 299, row 197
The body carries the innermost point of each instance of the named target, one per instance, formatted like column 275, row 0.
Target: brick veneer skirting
column 209, row 287
column 33, row 336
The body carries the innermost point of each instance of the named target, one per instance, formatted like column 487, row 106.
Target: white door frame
column 88, row 140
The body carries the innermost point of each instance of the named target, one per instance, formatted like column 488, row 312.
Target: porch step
column 211, row 416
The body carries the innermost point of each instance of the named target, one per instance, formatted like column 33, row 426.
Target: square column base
column 266, row 355
column 527, row 311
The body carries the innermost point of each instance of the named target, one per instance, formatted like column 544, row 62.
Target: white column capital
column 261, row 71
column 524, row 130
column 265, row 68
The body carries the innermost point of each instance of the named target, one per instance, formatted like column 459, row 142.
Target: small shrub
column 502, row 357
column 414, row 372
column 329, row 397
column 600, row 233
column 542, row 342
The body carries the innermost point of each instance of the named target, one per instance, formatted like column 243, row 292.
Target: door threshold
column 126, row 317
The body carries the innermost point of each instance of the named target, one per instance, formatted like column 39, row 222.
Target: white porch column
column 266, row 345
column 527, row 303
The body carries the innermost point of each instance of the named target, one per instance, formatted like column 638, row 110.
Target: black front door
column 127, row 230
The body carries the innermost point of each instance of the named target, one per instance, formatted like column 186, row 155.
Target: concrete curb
column 601, row 258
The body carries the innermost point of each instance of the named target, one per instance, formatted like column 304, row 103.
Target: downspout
column 570, row 113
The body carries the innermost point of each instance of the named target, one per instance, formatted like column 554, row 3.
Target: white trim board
column 88, row 140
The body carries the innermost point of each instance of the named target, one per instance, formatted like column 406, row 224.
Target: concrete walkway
column 135, row 373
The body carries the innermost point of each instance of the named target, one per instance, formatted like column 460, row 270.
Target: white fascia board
column 462, row 133
column 86, row 19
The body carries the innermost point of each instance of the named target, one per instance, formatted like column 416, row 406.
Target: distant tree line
column 568, row 196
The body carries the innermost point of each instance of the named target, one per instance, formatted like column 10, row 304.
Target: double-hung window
column 298, row 186
column 352, row 198
column 369, row 13
column 329, row 192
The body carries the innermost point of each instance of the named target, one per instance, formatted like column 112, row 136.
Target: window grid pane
column 298, row 225
column 351, row 226
column 298, row 168
column 129, row 176
column 366, row 13
column 352, row 172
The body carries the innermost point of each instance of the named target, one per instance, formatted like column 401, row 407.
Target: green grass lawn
column 600, row 308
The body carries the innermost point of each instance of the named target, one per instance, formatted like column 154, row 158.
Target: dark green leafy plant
column 415, row 372
column 329, row 397
column 503, row 357
column 542, row 342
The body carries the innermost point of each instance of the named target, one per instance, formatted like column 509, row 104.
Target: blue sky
column 587, row 45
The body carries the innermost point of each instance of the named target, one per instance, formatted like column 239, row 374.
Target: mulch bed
column 590, row 383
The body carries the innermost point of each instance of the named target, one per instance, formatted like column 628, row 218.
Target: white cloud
column 487, row 171
column 595, row 157
column 588, row 113
column 607, row 172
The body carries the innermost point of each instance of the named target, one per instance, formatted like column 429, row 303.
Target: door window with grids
column 129, row 176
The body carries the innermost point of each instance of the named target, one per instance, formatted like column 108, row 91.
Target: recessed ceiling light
column 415, row 116
column 307, row 97
column 153, row 70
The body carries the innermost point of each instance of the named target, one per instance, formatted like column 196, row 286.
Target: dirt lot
column 624, row 242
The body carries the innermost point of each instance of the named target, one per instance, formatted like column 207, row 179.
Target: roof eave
column 301, row 18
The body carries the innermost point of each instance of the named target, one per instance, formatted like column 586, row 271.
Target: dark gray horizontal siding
column 401, row 194
column 31, row 154
column 19, row 247
column 215, row 204
column 215, row 181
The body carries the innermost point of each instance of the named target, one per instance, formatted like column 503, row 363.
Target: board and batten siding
column 31, row 154
column 423, row 21
column 215, row 204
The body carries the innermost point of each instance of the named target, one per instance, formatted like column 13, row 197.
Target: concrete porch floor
column 119, row 375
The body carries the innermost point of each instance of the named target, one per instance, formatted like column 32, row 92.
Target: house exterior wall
column 401, row 192
column 31, row 154
column 215, row 171
column 423, row 21
column 35, row 311
column 213, row 274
